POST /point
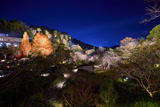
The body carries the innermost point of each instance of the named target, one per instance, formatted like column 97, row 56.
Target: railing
column 10, row 39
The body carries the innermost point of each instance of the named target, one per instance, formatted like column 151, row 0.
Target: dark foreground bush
column 81, row 94
column 108, row 94
column 36, row 100
column 23, row 82
column 146, row 104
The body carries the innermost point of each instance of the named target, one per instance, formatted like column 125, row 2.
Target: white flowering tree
column 128, row 47
column 79, row 56
column 100, row 50
column 128, row 50
column 110, row 59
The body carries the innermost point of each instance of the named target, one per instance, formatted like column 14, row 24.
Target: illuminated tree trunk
column 150, row 94
column 25, row 46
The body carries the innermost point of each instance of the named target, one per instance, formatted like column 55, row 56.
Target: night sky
column 96, row 22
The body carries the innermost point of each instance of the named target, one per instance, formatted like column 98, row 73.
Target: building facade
column 5, row 39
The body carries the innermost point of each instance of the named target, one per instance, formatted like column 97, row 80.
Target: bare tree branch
column 152, row 10
column 143, row 69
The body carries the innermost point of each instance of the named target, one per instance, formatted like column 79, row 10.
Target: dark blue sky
column 96, row 22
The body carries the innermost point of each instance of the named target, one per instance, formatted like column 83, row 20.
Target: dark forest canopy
column 17, row 28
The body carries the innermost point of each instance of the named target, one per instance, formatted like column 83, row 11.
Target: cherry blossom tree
column 128, row 50
column 127, row 40
column 79, row 56
column 110, row 59
column 100, row 50
column 128, row 47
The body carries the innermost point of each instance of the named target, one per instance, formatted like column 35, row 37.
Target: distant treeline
column 16, row 28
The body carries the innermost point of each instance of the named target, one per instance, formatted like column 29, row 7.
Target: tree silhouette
column 152, row 10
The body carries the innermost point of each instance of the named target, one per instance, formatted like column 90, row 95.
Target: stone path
column 89, row 68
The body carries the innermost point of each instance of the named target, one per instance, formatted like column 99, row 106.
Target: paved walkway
column 89, row 68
